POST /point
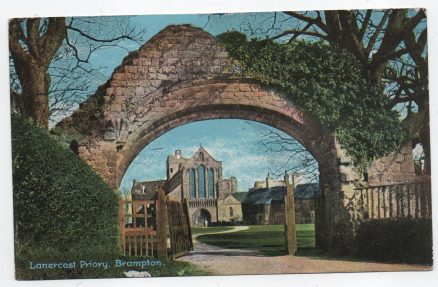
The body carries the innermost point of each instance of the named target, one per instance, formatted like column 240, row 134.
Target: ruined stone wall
column 173, row 186
column 184, row 75
column 227, row 186
column 181, row 75
column 396, row 167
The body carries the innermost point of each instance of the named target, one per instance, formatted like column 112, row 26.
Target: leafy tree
column 330, row 84
column 392, row 47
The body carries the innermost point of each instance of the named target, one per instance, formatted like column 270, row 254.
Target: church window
column 201, row 156
column 231, row 211
column 201, row 181
column 211, row 183
column 192, row 183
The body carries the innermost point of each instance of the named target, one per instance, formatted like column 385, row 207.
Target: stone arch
column 201, row 217
column 212, row 99
column 184, row 75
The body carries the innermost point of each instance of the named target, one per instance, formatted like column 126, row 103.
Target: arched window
column 211, row 183
column 192, row 183
column 201, row 181
column 201, row 156
column 231, row 211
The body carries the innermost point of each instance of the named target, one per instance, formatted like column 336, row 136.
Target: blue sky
column 251, row 24
column 234, row 142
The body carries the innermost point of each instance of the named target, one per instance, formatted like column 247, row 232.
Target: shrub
column 395, row 240
column 60, row 203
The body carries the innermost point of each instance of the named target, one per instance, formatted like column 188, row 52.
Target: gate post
column 189, row 230
column 122, row 226
column 161, row 214
column 289, row 216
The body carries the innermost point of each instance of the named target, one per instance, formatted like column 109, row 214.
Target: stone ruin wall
column 396, row 167
column 184, row 67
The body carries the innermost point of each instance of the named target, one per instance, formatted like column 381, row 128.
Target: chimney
column 267, row 180
column 286, row 177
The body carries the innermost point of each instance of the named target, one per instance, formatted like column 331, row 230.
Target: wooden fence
column 146, row 224
column 394, row 200
column 138, row 235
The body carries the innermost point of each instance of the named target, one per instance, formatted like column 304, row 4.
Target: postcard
column 254, row 143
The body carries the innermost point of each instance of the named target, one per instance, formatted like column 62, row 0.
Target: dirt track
column 221, row 261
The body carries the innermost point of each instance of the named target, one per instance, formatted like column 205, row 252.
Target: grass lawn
column 204, row 230
column 267, row 239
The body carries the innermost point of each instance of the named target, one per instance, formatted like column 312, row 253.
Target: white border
column 29, row 8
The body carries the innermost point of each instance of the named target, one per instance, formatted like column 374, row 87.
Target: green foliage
column 330, row 85
column 59, row 202
column 395, row 240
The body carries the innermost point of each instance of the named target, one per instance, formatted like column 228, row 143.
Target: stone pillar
column 196, row 183
column 207, row 191
column 215, row 183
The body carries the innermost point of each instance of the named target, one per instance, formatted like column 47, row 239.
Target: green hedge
column 60, row 203
column 395, row 240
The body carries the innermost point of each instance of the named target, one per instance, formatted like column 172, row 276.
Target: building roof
column 240, row 196
column 149, row 190
column 262, row 196
column 307, row 190
column 272, row 182
column 201, row 150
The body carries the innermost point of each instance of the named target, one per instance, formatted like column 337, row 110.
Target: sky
column 234, row 142
column 111, row 7
column 251, row 24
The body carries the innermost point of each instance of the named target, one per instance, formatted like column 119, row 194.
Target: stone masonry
column 183, row 75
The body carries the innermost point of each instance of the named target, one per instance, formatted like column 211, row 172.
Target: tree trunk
column 32, row 53
column 35, row 91
column 418, row 126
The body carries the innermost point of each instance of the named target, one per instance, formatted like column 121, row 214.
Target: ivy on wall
column 330, row 85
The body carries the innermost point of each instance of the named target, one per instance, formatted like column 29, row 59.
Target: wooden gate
column 146, row 224
column 179, row 228
column 138, row 235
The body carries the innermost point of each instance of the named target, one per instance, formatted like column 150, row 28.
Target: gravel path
column 222, row 261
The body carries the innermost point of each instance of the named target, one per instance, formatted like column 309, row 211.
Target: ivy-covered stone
column 330, row 84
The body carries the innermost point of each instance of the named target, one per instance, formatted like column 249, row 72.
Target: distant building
column 264, row 204
column 198, row 179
